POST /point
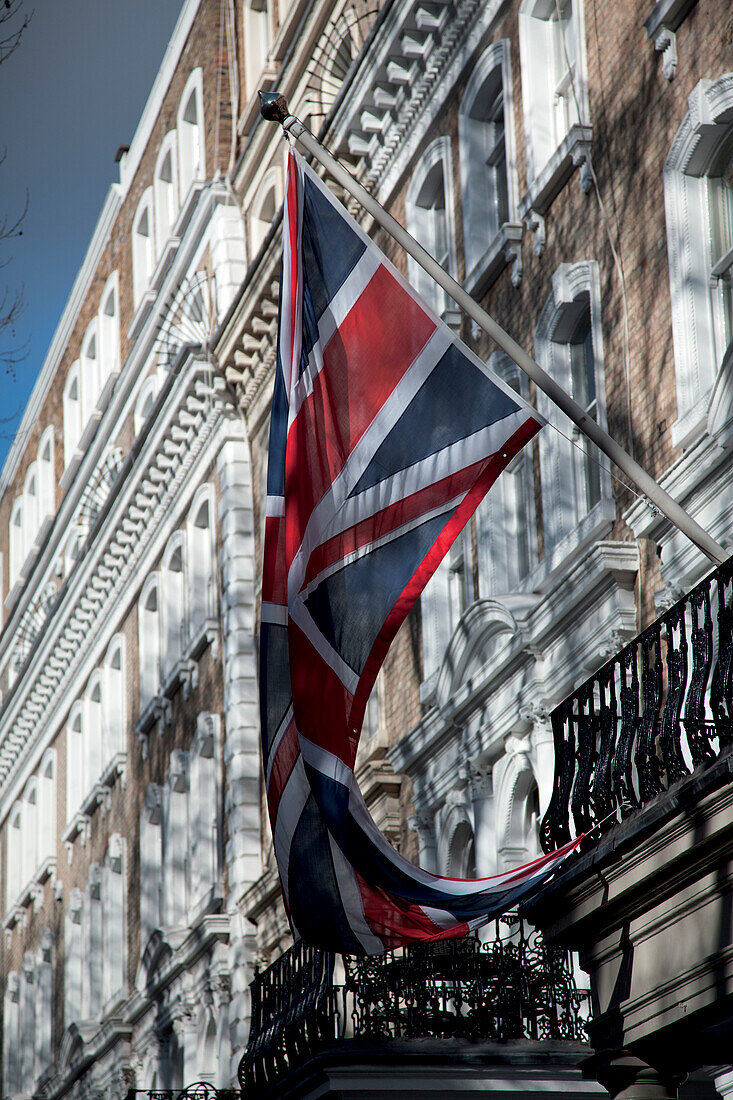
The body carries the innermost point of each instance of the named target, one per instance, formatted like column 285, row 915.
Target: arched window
column 75, row 767
column 505, row 523
column 114, row 699
column 44, row 1002
column 173, row 608
column 113, row 919
column 257, row 40
column 93, row 945
column 462, row 852
column 47, row 806
column 16, row 539
column 72, row 413
column 28, row 1018
column 109, row 331
column 151, row 864
column 487, row 155
column 569, row 345
column 73, row 958
column 264, row 209
column 201, row 586
column 143, row 246
column 30, row 512
column 166, row 189
column 89, row 372
column 14, row 854
column 12, row 1079
column 95, row 751
column 149, row 639
column 175, row 841
column 552, row 49
column 46, row 475
column 190, row 135
column 698, row 191
column 204, row 809
column 145, row 401
column 428, row 214
column 29, row 859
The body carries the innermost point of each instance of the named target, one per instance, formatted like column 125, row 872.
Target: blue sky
column 69, row 97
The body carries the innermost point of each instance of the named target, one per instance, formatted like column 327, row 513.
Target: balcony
column 447, row 1011
column 654, row 721
column 644, row 751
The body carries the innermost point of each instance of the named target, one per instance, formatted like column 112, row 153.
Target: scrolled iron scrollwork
column 512, row 987
column 623, row 736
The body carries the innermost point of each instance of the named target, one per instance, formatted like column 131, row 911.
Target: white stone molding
column 241, row 716
column 119, row 549
column 661, row 23
column 697, row 313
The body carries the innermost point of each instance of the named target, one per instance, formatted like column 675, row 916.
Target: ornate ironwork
column 655, row 712
column 513, row 987
column 201, row 1090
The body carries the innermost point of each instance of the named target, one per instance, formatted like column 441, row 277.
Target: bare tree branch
column 9, row 9
column 13, row 24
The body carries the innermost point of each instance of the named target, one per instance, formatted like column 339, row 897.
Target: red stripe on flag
column 392, row 518
column 274, row 575
column 285, row 759
column 320, row 699
column 374, row 347
column 398, row 922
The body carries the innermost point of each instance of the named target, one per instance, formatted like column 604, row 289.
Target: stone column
column 543, row 750
column 241, row 710
column 481, row 784
column 423, row 824
column 626, row 1077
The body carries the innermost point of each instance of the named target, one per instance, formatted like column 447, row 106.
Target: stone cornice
column 142, row 499
column 415, row 57
column 118, row 407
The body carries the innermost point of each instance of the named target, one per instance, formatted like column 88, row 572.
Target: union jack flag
column 386, row 432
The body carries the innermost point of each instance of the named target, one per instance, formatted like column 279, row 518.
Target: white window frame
column 505, row 518
column 261, row 218
column 29, row 857
column 176, row 840
column 191, row 149
column 114, row 710
column 76, row 769
column 476, row 145
column 47, row 777
column 149, row 640
column 114, row 921
column 204, row 811
column 143, row 246
column 31, row 520
column 14, row 854
column 166, row 191
column 418, row 221
column 697, row 308
column 74, row 958
column 257, row 41
column 563, row 464
column 72, row 412
column 151, row 864
column 201, row 575
column 540, row 79
column 173, row 619
column 95, row 749
column 44, row 1002
column 89, row 371
column 109, row 330
column 46, row 475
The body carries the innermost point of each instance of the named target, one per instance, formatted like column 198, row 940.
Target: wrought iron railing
column 514, row 987
column 201, row 1090
column 657, row 711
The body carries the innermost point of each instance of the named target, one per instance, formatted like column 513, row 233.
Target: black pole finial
column 273, row 106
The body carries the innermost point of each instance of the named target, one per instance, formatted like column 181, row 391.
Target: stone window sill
column 572, row 152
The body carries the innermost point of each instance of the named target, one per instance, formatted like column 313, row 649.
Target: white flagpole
column 274, row 108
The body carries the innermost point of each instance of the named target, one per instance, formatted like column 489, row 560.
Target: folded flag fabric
column 386, row 433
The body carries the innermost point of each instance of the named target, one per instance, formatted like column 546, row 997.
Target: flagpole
column 274, row 108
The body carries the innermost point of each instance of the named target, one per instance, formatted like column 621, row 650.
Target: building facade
column 571, row 163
